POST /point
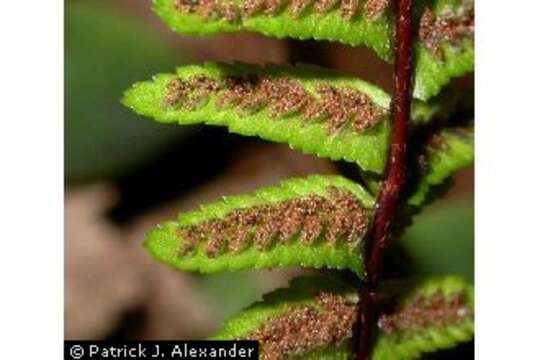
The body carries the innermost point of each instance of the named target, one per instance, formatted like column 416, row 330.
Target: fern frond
column 431, row 315
column 445, row 153
column 443, row 49
column 313, row 319
column 318, row 221
column 346, row 21
column 314, row 110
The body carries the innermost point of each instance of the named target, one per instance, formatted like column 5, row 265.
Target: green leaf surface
column 446, row 153
column 301, row 291
column 451, row 54
column 367, row 149
column 329, row 25
column 322, row 112
column 220, row 236
column 348, row 22
column 434, row 313
column 427, row 315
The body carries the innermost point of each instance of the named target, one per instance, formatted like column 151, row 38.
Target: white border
column 31, row 185
column 507, row 206
column 507, row 179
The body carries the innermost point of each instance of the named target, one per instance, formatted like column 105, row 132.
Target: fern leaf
column 335, row 20
column 322, row 310
column 318, row 221
column 313, row 319
column 314, row 110
column 446, row 153
column 431, row 315
column 444, row 46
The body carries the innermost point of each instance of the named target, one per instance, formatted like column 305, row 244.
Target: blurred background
column 124, row 174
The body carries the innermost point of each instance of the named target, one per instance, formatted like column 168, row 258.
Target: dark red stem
column 396, row 166
column 388, row 199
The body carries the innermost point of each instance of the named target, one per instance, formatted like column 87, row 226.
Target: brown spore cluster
column 423, row 312
column 233, row 12
column 375, row 8
column 437, row 142
column 282, row 96
column 447, row 28
column 303, row 328
column 434, row 145
column 209, row 9
column 338, row 217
